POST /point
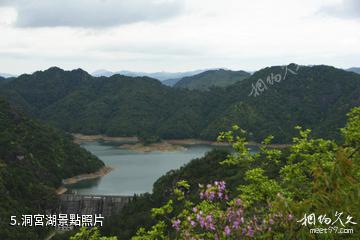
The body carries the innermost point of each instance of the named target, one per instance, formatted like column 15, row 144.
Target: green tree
column 319, row 177
column 90, row 234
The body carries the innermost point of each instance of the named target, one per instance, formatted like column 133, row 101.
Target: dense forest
column 212, row 78
column 271, row 101
column 34, row 158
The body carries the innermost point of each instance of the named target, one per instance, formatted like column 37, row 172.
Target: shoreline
column 133, row 143
column 82, row 177
column 163, row 146
column 79, row 138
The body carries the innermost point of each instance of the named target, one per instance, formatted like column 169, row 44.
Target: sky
column 177, row 35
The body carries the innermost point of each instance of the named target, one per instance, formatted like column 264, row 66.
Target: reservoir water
column 134, row 172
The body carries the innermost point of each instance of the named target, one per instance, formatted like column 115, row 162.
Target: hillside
column 316, row 97
column 212, row 78
column 119, row 105
column 34, row 158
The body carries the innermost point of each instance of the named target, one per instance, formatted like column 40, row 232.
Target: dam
column 92, row 204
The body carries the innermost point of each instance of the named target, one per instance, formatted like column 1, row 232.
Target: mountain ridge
column 142, row 106
column 161, row 76
column 212, row 78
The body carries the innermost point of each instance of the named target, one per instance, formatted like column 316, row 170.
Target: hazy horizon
column 9, row 74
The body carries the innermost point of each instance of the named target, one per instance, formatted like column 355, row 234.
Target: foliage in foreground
column 90, row 234
column 320, row 177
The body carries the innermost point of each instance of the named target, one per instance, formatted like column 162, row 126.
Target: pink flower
column 212, row 196
column 212, row 227
column 227, row 231
column 250, row 232
column 176, row 224
column 201, row 195
column 236, row 224
column 209, row 218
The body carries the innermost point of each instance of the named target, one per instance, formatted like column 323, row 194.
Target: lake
column 134, row 172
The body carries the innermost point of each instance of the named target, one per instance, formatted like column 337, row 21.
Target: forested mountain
column 212, row 78
column 354, row 69
column 317, row 97
column 271, row 101
column 118, row 105
column 34, row 158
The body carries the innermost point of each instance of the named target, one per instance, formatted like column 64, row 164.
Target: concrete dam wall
column 92, row 204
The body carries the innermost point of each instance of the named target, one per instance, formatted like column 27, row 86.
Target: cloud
column 345, row 9
column 91, row 13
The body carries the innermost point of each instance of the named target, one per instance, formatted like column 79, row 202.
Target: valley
column 68, row 132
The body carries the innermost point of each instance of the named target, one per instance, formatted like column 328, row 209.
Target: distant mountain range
column 315, row 97
column 197, row 79
column 161, row 76
column 7, row 75
column 354, row 69
column 212, row 78
column 167, row 78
